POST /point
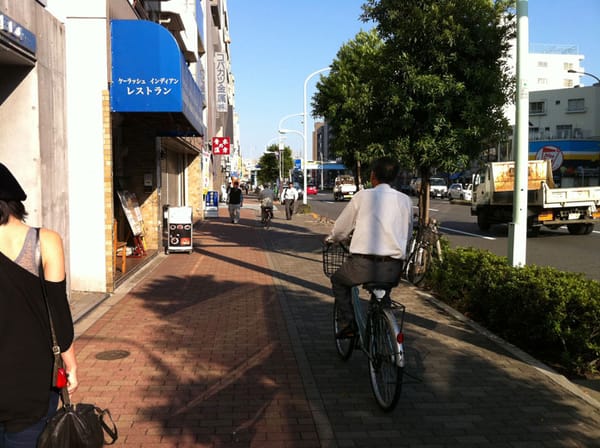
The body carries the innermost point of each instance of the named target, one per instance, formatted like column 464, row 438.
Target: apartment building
column 113, row 109
column 564, row 126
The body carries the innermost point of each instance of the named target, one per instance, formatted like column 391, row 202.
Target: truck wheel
column 483, row 222
column 589, row 228
column 579, row 229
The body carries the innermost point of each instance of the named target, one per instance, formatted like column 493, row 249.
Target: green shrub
column 553, row 315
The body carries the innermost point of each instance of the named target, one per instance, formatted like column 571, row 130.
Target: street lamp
column 305, row 136
column 279, row 128
column 292, row 131
column 321, row 157
column 585, row 73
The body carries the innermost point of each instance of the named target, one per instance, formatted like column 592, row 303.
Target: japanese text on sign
column 148, row 87
column 220, row 145
column 221, row 82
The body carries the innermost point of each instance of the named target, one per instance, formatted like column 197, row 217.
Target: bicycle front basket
column 334, row 256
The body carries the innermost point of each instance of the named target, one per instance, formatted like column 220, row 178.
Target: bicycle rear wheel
column 384, row 370
column 418, row 264
column 344, row 346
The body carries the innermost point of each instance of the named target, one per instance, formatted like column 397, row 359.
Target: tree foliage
column 269, row 164
column 427, row 85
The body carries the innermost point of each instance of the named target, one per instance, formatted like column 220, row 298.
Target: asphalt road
column 556, row 248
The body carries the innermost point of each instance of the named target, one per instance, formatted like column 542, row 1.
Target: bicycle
column 379, row 334
column 424, row 245
column 266, row 216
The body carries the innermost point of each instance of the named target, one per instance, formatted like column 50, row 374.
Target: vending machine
column 179, row 225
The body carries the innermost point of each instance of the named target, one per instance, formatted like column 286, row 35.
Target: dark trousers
column 28, row 437
column 289, row 208
column 356, row 271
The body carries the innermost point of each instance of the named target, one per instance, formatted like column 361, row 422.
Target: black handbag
column 79, row 425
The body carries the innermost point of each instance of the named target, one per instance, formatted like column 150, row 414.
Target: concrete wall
column 87, row 80
column 32, row 120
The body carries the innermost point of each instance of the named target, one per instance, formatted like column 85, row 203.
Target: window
column 568, row 83
column 564, row 131
column 537, row 108
column 542, row 64
column 542, row 81
column 576, row 105
column 534, row 133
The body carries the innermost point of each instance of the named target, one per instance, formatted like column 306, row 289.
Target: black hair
column 385, row 169
column 15, row 208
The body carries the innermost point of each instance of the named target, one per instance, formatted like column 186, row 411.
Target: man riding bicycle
column 266, row 198
column 380, row 222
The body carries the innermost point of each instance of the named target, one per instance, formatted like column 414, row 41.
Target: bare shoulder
column 50, row 238
column 51, row 246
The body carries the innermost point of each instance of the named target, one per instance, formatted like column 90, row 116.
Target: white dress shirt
column 289, row 193
column 381, row 218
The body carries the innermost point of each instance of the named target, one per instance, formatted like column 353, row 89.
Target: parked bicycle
column 424, row 245
column 379, row 334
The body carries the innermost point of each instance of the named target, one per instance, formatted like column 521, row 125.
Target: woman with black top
column 27, row 398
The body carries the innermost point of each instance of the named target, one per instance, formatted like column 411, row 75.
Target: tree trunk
column 424, row 197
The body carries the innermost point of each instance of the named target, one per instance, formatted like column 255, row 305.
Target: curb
column 556, row 377
column 553, row 375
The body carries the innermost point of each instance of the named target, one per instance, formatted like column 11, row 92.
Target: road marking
column 468, row 233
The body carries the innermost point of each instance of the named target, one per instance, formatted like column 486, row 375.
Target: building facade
column 115, row 108
column 564, row 126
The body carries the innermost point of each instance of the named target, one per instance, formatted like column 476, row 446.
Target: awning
column 150, row 77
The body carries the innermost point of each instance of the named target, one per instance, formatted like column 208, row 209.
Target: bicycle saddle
column 371, row 286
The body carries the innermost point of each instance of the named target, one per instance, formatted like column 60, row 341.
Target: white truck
column 492, row 200
column 437, row 188
column 344, row 187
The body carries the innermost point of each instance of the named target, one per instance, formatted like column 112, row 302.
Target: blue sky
column 276, row 44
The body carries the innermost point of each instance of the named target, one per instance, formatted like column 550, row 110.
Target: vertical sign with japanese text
column 221, row 81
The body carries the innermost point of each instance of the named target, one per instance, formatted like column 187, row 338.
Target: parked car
column 311, row 189
column 457, row 191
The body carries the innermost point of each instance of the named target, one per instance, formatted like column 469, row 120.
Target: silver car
column 457, row 191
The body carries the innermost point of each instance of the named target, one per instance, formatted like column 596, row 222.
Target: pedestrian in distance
column 380, row 222
column 235, row 200
column 26, row 360
column 289, row 196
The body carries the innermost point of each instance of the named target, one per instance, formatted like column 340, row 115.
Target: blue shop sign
column 149, row 73
column 14, row 32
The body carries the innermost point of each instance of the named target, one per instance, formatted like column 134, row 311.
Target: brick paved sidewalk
column 208, row 358
column 232, row 346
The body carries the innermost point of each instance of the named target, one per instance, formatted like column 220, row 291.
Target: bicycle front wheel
column 418, row 265
column 343, row 346
column 384, row 365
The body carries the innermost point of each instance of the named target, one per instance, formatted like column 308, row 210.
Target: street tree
column 347, row 98
column 270, row 166
column 436, row 84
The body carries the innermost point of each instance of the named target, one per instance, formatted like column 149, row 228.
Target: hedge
column 552, row 315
